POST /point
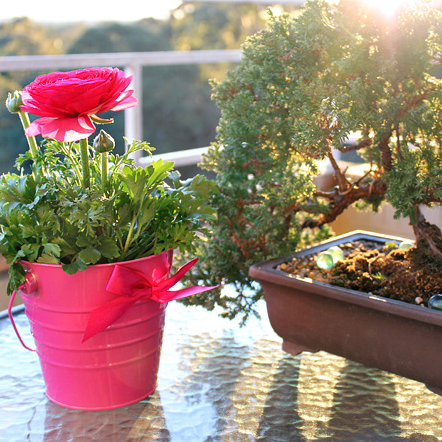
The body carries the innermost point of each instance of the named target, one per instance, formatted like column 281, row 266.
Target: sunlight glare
column 390, row 7
column 87, row 11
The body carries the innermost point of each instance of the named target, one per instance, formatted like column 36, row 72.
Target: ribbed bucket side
column 113, row 369
column 116, row 367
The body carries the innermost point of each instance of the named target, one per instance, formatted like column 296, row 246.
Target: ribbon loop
column 130, row 286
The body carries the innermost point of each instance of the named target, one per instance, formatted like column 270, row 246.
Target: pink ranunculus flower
column 68, row 100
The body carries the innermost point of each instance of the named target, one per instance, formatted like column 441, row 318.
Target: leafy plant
column 83, row 205
column 52, row 219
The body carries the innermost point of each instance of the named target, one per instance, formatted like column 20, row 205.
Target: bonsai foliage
column 304, row 85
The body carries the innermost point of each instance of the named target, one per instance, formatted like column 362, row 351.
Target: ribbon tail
column 170, row 282
column 105, row 315
column 173, row 295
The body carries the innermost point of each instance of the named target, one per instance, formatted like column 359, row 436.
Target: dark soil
column 371, row 267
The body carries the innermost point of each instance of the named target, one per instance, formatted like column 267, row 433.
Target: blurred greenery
column 178, row 112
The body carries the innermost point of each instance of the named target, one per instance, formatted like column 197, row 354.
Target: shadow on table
column 143, row 421
column 280, row 419
column 363, row 408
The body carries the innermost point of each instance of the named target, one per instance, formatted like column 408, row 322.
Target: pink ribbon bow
column 131, row 286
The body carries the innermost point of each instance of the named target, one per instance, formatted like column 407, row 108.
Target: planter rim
column 266, row 271
column 46, row 265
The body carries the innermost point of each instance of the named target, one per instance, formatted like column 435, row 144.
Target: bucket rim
column 108, row 264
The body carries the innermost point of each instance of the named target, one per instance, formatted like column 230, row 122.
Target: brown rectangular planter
column 387, row 334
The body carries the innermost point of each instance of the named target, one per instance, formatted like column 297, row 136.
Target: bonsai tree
column 304, row 85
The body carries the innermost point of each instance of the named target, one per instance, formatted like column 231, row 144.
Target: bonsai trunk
column 428, row 238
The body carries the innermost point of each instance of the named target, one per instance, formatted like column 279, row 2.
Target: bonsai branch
column 339, row 201
column 342, row 181
column 363, row 143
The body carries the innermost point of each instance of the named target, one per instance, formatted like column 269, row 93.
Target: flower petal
column 125, row 104
column 62, row 129
column 64, row 96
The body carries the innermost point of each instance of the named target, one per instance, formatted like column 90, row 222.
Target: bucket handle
column 11, row 302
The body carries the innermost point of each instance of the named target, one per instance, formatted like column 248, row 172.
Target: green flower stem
column 67, row 152
column 84, row 152
column 104, row 157
column 24, row 118
column 130, row 238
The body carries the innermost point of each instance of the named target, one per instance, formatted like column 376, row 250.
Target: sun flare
column 390, row 7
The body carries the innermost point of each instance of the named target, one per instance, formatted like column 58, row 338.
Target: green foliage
column 215, row 25
column 49, row 217
column 150, row 35
column 21, row 36
column 305, row 83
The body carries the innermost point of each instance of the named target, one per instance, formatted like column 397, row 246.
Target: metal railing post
column 133, row 117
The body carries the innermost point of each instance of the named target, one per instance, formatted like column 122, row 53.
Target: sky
column 91, row 11
column 86, row 10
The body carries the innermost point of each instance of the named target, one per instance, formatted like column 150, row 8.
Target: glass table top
column 220, row 382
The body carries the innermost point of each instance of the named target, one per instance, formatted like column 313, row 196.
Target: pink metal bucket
column 114, row 368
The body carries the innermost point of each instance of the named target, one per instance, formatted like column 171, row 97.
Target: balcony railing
column 132, row 62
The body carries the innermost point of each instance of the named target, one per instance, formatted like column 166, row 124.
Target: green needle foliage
column 304, row 85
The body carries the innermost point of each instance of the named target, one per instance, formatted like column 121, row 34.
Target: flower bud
column 13, row 102
column 103, row 142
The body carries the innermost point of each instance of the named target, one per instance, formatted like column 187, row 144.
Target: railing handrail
column 153, row 58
